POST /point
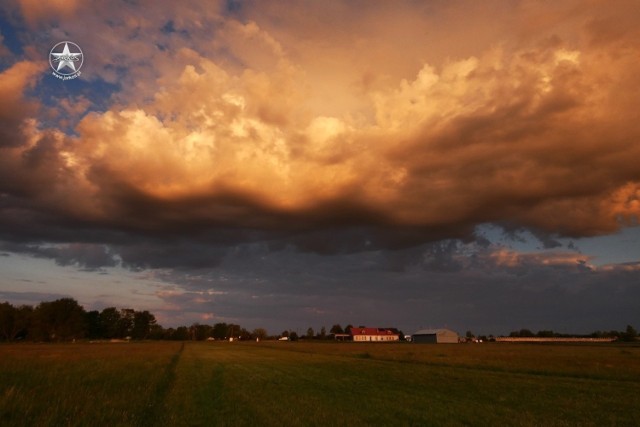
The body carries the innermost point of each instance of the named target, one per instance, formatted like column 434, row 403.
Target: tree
column 157, row 332
column 469, row 335
column 234, row 331
column 167, row 334
column 181, row 334
column 260, row 333
column 92, row 320
column 336, row 329
column 7, row 320
column 220, row 331
column 310, row 333
column 24, row 317
column 59, row 320
column 522, row 333
column 14, row 322
column 323, row 333
column 629, row 334
column 244, row 334
column 347, row 329
column 143, row 322
column 200, row 332
column 125, row 324
column 109, row 322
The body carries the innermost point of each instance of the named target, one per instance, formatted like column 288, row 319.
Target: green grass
column 307, row 384
column 84, row 384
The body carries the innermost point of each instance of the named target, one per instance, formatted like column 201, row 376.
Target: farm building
column 341, row 337
column 435, row 336
column 374, row 334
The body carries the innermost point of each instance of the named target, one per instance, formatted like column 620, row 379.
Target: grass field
column 306, row 384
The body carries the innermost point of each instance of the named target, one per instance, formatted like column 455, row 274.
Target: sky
column 285, row 165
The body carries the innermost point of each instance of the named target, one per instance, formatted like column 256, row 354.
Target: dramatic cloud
column 86, row 256
column 16, row 109
column 323, row 130
column 507, row 135
column 493, row 288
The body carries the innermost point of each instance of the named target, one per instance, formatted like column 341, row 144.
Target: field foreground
column 350, row 384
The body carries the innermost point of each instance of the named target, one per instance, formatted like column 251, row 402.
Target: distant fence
column 542, row 339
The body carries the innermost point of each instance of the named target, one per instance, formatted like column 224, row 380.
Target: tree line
column 66, row 320
column 629, row 334
column 321, row 334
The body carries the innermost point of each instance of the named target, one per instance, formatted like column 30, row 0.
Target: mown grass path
column 154, row 410
column 318, row 384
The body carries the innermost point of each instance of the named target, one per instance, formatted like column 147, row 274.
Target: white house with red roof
column 374, row 334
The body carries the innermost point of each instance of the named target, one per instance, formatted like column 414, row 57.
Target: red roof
column 372, row 331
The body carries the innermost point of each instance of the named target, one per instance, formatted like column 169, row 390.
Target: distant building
column 435, row 336
column 341, row 337
column 374, row 335
column 553, row 339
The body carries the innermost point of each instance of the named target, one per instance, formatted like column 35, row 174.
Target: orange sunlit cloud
column 510, row 133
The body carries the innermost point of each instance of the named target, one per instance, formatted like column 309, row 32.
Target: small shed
column 435, row 336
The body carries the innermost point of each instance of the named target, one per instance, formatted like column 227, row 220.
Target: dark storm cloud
column 136, row 256
column 496, row 289
column 178, row 254
column 88, row 257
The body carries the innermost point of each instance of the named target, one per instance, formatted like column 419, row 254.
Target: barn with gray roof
column 435, row 336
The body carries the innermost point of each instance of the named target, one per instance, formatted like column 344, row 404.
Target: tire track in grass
column 206, row 399
column 154, row 410
column 214, row 398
